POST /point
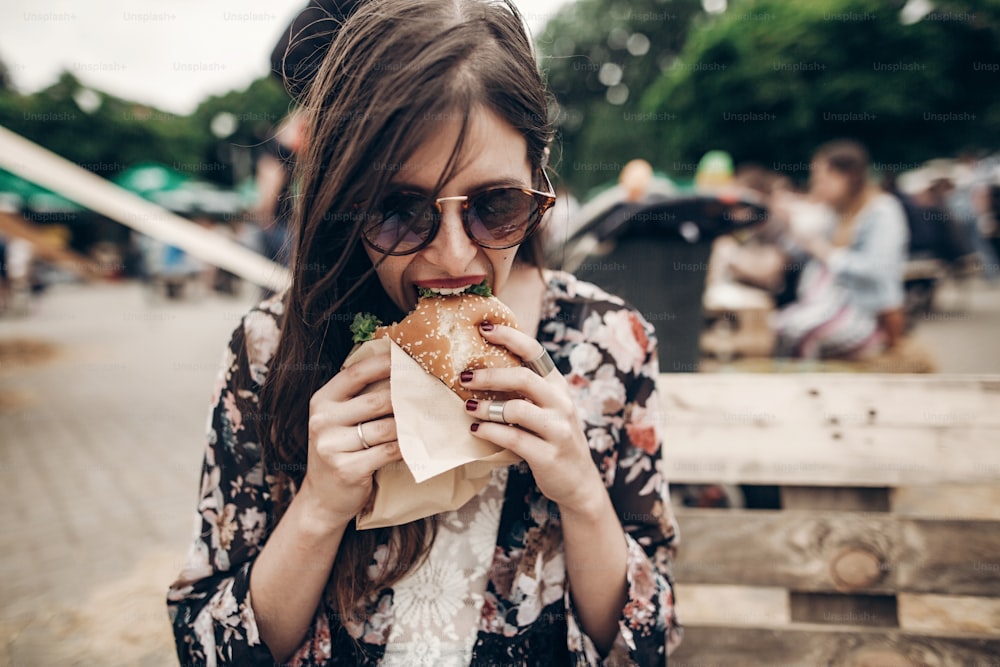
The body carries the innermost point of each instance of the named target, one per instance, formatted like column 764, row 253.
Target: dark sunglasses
column 497, row 218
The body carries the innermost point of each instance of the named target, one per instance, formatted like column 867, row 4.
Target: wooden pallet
column 886, row 548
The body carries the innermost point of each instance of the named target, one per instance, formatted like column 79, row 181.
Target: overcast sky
column 171, row 54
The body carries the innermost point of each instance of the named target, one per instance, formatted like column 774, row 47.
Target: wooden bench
column 886, row 549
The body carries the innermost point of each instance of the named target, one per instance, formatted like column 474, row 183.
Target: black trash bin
column 655, row 255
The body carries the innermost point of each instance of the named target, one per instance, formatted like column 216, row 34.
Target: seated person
column 850, row 295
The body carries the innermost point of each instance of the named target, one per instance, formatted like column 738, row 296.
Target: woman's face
column 494, row 154
column 827, row 185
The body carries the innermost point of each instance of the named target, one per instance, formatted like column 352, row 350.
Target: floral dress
column 608, row 355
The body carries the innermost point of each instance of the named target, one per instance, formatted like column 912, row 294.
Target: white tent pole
column 43, row 167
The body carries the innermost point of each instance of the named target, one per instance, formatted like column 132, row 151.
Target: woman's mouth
column 448, row 286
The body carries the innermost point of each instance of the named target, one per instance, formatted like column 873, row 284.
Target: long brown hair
column 393, row 68
column 847, row 157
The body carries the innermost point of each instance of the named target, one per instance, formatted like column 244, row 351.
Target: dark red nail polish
column 475, row 427
column 471, row 404
column 487, row 326
column 466, row 376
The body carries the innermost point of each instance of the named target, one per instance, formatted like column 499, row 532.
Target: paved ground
column 102, row 411
column 100, row 449
column 963, row 332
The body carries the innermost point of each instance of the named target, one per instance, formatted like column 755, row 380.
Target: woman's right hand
column 339, row 471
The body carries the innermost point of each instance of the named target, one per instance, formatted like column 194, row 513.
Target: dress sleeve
column 626, row 445
column 209, row 603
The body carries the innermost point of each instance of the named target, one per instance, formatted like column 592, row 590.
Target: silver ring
column 361, row 437
column 542, row 364
column 495, row 412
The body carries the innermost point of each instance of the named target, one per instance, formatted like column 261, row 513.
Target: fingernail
column 466, row 376
column 487, row 326
column 471, row 404
column 475, row 427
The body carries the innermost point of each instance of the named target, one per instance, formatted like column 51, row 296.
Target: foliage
column 599, row 56
column 106, row 134
column 769, row 80
column 257, row 110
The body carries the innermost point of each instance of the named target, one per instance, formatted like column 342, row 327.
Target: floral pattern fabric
column 436, row 607
column 607, row 353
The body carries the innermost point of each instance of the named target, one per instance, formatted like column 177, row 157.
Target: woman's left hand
column 542, row 427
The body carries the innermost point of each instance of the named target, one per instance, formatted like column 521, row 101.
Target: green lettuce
column 363, row 327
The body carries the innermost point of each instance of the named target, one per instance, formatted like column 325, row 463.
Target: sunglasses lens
column 405, row 223
column 500, row 217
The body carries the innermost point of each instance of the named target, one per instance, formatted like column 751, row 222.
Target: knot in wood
column 856, row 568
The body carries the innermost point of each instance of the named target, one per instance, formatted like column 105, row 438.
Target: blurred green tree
column 769, row 80
column 103, row 133
column 5, row 79
column 235, row 125
column 106, row 134
column 599, row 56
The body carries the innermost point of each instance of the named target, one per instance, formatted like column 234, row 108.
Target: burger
column 442, row 335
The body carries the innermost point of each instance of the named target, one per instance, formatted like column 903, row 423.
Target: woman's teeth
column 447, row 291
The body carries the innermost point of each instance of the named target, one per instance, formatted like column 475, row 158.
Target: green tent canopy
column 20, row 193
column 177, row 191
column 147, row 179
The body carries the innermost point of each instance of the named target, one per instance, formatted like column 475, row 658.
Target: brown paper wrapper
column 443, row 465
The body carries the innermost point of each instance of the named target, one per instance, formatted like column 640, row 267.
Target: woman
column 850, row 294
column 558, row 560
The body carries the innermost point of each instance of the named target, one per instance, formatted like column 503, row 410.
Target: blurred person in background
column 637, row 185
column 756, row 257
column 274, row 191
column 931, row 194
column 295, row 60
column 969, row 201
column 19, row 258
column 4, row 280
column 849, row 301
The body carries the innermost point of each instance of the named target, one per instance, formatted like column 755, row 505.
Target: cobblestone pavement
column 102, row 413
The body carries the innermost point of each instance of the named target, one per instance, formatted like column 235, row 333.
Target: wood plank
column 833, row 551
column 713, row 604
column 43, row 167
column 956, row 501
column 831, row 430
column 804, row 645
column 759, row 606
column 949, row 613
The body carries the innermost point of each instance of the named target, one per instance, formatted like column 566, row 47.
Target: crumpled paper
column 443, row 465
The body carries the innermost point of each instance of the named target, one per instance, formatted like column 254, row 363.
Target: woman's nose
column 451, row 249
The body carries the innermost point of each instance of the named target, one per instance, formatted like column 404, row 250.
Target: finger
column 355, row 467
column 518, row 342
column 351, row 380
column 325, row 414
column 523, row 443
column 364, row 407
column 379, row 456
column 544, row 423
column 337, row 446
column 375, row 432
column 522, row 381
